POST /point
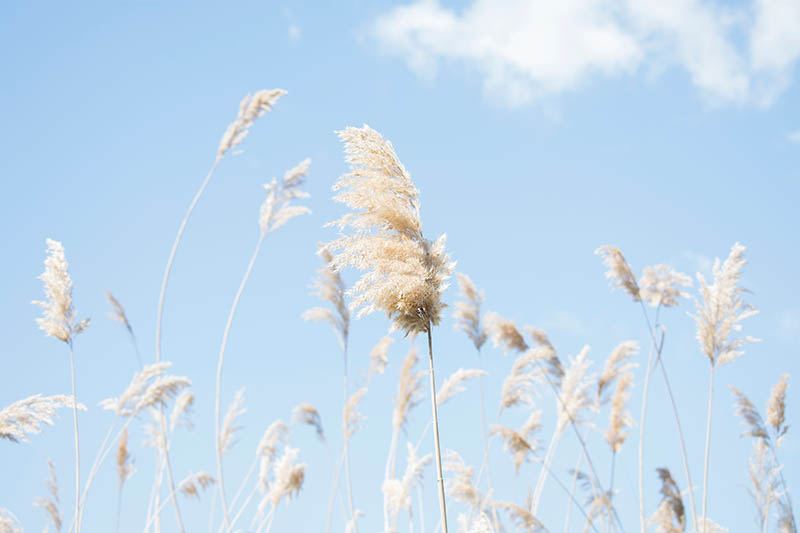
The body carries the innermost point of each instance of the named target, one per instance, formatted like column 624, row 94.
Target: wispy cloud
column 294, row 33
column 789, row 324
column 700, row 262
column 794, row 136
column 526, row 50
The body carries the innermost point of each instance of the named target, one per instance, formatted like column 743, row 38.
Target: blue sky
column 535, row 134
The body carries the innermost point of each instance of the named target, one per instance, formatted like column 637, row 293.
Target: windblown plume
column 617, row 363
column 147, row 388
column 250, row 108
column 9, row 522
column 468, row 310
column 305, row 413
column 619, row 271
column 397, row 492
column 573, row 397
column 277, row 433
column 50, row 504
column 504, row 332
column 352, row 416
column 329, row 287
column 409, row 388
column 25, row 417
column 58, row 320
column 521, row 516
column 520, row 444
column 518, row 386
column 454, row 383
column 118, row 312
column 763, row 478
column 776, row 407
column 193, row 484
column 378, row 358
column 460, row 485
column 660, row 285
column 619, row 419
column 288, row 476
column 750, row 416
column 709, row 526
column 722, row 310
column 670, row 517
column 479, row 524
column 181, row 409
column 404, row 273
column 229, row 427
column 124, row 464
column 277, row 208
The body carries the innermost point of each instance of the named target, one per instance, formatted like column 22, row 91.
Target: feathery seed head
column 277, row 208
column 409, row 388
column 468, row 310
column 305, row 413
column 194, row 483
column 573, row 397
column 460, row 487
column 617, row 363
column 118, row 312
column 404, row 273
column 524, row 519
column 329, row 287
column 454, row 383
column 229, row 427
column 378, row 358
column 722, row 309
column 181, row 409
column 520, row 444
column 660, row 285
column 750, row 416
column 59, row 314
column 288, row 476
column 124, row 464
column 50, row 504
column 148, row 387
column 619, row 418
column 276, row 433
column 776, row 406
column 25, row 417
column 670, row 517
column 250, row 108
column 619, row 271
column 504, row 332
column 352, row 416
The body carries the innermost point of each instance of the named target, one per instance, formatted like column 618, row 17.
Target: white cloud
column 294, row 33
column 794, row 136
column 528, row 49
column 789, row 323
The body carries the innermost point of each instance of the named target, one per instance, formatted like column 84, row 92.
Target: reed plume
column 670, row 516
column 305, row 413
column 619, row 272
column 9, row 522
column 24, row 418
column 118, row 315
column 60, row 323
column 504, row 332
column 124, row 470
column 454, row 383
column 50, row 504
column 397, row 492
column 378, row 358
column 718, row 318
column 193, row 484
column 520, row 444
column 522, row 516
column 660, row 286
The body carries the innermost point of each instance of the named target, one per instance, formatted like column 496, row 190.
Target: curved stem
column 169, row 472
column 222, row 348
column 548, row 459
column 172, row 255
column 708, row 446
column 484, row 434
column 442, row 504
column 333, row 493
column 347, row 457
column 77, row 445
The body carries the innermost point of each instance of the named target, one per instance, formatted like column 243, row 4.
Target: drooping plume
column 468, row 310
column 619, row 271
column 250, row 108
column 660, row 285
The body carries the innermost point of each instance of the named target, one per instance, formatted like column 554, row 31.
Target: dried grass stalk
column 58, row 320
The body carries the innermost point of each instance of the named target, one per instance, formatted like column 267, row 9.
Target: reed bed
column 545, row 398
